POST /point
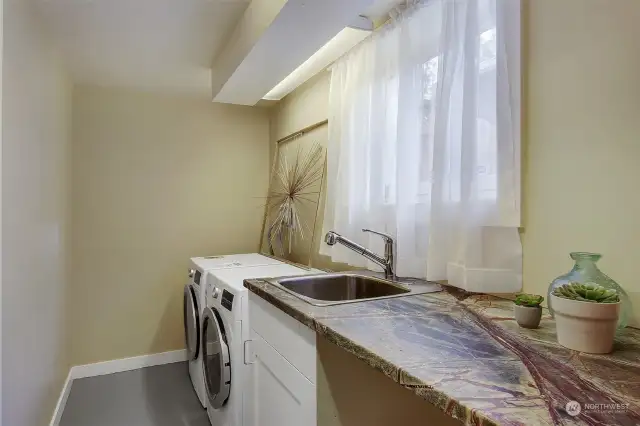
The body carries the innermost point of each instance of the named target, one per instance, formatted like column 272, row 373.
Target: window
column 425, row 142
column 486, row 144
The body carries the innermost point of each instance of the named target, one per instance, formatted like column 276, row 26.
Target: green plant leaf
column 530, row 300
column 587, row 292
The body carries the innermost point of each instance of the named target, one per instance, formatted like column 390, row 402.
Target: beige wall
column 36, row 120
column 582, row 138
column 305, row 106
column 156, row 180
column 346, row 397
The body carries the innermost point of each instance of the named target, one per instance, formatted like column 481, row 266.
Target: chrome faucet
column 386, row 262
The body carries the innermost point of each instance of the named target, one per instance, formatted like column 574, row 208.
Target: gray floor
column 153, row 396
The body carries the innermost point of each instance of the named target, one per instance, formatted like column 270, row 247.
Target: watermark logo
column 605, row 408
column 573, row 408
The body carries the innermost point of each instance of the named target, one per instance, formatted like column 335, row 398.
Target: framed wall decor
column 295, row 195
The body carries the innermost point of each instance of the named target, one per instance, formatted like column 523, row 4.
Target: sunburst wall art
column 293, row 198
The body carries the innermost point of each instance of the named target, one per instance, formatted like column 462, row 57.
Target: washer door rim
column 191, row 312
column 219, row 346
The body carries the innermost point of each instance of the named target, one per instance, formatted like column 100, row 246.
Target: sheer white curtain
column 424, row 144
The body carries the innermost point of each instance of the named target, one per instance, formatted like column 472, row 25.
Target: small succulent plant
column 530, row 300
column 588, row 292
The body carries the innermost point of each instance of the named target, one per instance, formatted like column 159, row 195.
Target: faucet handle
column 387, row 238
column 331, row 238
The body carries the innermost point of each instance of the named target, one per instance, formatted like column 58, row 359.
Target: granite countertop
column 466, row 355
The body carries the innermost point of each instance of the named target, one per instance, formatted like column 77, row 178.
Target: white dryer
column 193, row 306
column 225, row 334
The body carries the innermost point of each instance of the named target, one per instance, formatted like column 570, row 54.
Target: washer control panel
column 227, row 300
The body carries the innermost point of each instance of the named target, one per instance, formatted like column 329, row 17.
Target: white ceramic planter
column 585, row 326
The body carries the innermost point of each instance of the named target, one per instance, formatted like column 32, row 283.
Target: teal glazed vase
column 586, row 271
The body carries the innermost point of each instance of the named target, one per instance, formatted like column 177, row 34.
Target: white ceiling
column 153, row 45
column 379, row 10
column 346, row 40
column 300, row 28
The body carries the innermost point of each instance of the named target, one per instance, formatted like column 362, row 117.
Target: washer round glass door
column 216, row 360
column 191, row 322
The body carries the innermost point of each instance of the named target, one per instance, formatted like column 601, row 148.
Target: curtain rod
column 302, row 132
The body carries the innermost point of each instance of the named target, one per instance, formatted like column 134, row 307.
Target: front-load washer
column 193, row 306
column 225, row 334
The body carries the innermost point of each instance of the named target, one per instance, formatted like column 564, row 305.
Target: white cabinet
column 283, row 350
column 280, row 395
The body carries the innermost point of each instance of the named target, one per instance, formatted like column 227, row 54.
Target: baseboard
column 110, row 367
column 62, row 401
column 127, row 364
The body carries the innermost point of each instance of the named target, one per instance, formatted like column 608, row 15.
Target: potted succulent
column 586, row 316
column 527, row 310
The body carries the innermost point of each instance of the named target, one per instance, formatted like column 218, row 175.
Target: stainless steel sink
column 334, row 289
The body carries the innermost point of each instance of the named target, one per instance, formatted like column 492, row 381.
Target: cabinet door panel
column 279, row 394
column 292, row 339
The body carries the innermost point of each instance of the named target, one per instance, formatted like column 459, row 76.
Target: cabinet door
column 279, row 394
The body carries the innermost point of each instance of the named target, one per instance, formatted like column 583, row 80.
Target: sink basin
column 332, row 289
